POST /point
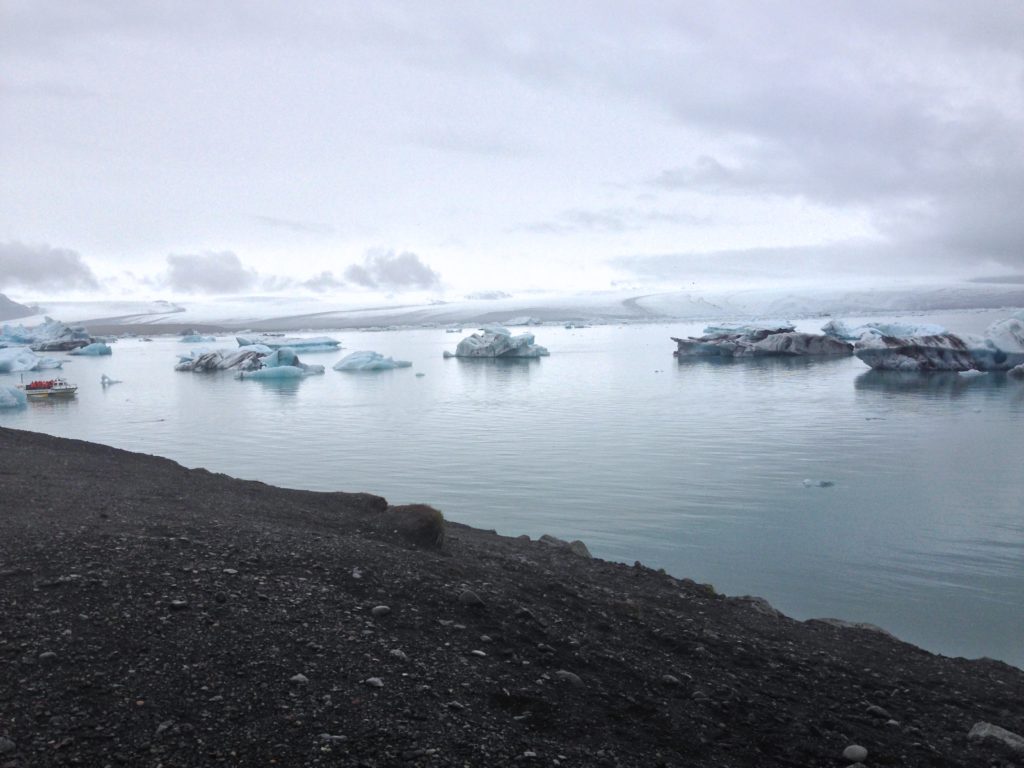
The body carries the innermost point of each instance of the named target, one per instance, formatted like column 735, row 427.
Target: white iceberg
column 1000, row 349
column 369, row 361
column 524, row 320
column 754, row 327
column 11, row 397
column 840, row 329
column 498, row 341
column 277, row 372
column 95, row 349
column 49, row 336
column 196, row 338
column 20, row 359
column 106, row 381
column 750, row 341
column 1017, row 372
column 313, row 344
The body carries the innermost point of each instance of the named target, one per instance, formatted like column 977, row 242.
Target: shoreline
column 127, row 578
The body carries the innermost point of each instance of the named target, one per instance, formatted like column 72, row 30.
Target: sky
column 443, row 149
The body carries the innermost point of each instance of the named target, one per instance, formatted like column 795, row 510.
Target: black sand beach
column 152, row 615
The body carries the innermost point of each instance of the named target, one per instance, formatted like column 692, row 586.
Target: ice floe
column 369, row 361
column 280, row 363
column 840, row 329
column 106, row 381
column 241, row 359
column 753, row 341
column 498, row 341
column 313, row 344
column 49, row 336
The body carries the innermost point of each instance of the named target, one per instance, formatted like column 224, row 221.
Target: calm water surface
column 696, row 467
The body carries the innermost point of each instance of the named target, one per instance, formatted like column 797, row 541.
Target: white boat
column 37, row 390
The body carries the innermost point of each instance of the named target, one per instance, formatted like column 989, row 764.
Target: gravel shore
column 152, row 615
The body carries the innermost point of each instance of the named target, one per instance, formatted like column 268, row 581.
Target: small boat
column 48, row 388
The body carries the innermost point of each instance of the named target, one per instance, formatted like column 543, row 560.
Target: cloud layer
column 43, row 268
column 392, row 271
column 208, row 273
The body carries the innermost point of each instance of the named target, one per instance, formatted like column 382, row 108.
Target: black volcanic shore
column 152, row 615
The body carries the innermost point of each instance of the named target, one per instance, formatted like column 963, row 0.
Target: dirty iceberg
column 281, row 364
column 755, row 340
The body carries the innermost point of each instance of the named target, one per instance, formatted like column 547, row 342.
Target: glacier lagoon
column 912, row 519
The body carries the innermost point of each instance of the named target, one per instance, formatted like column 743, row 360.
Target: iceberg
column 242, row 359
column 738, row 328
column 11, row 397
column 498, row 341
column 49, row 336
column 369, row 361
column 280, row 364
column 196, row 338
column 750, row 341
column 1017, row 372
column 106, row 381
column 314, row 344
column 95, row 349
column 840, row 329
column 20, row 359
column 1000, row 349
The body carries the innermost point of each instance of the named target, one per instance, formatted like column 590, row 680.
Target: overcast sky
column 166, row 148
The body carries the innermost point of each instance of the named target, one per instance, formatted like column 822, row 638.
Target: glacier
column 369, row 361
column 313, row 344
column 498, row 341
column 21, row 359
column 95, row 349
column 1000, row 349
column 11, row 397
column 754, row 341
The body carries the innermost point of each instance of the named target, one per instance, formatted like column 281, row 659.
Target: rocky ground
column 156, row 616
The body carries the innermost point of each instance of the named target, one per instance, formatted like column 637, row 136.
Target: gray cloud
column 42, row 267
column 325, row 281
column 392, row 271
column 208, row 273
column 292, row 225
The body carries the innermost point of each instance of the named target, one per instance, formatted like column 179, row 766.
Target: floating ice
column 1001, row 349
column 740, row 328
column 524, row 320
column 95, row 349
column 808, row 483
column 196, row 338
column 106, row 381
column 280, row 364
column 49, row 336
column 369, row 361
column 19, row 359
column 840, row 329
column 313, row 344
column 11, row 397
column 1017, row 372
column 498, row 341
column 278, row 372
column 760, row 342
column 242, row 359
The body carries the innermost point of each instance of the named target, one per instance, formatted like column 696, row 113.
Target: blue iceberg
column 281, row 364
column 840, row 329
column 369, row 361
column 20, row 359
column 95, row 349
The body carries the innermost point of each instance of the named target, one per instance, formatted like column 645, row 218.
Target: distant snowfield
column 297, row 313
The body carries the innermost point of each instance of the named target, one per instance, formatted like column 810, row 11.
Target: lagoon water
column 696, row 467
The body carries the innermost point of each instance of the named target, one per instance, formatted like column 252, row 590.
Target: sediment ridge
column 153, row 615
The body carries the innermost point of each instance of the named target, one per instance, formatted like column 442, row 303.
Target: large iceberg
column 95, row 349
column 369, row 361
column 50, row 336
column 313, row 344
column 1000, row 349
column 241, row 359
column 753, row 341
column 11, row 397
column 840, row 329
column 498, row 341
column 20, row 359
column 280, row 364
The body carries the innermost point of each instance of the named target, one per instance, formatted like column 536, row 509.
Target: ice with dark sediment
column 840, row 329
column 241, row 359
column 1000, row 349
column 755, row 340
column 497, row 341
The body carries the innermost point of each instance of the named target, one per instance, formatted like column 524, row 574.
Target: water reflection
column 946, row 383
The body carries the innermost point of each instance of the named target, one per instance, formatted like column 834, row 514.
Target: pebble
column 329, row 737
column 221, row 597
column 670, row 680
column 988, row 732
column 179, row 605
column 299, row 679
column 855, row 753
column 380, row 610
column 569, row 677
column 876, row 711
column 399, row 654
column 481, row 654
column 374, row 682
column 469, row 597
column 47, row 656
column 6, row 745
column 230, row 571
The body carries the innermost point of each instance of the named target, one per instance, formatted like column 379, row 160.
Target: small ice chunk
column 106, row 381
column 808, row 483
column 313, row 344
column 369, row 361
